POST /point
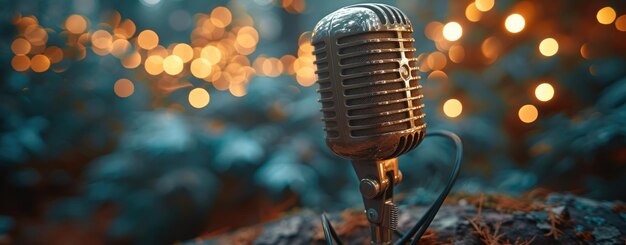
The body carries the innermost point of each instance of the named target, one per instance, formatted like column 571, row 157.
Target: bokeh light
column 548, row 47
column 20, row 46
column 184, row 51
column 131, row 61
column 126, row 29
column 606, row 15
column 39, row 63
column 120, row 47
column 20, row 62
column 124, row 88
column 514, row 23
column 76, row 24
column 452, row 31
column 620, row 23
column 200, row 68
column 544, row 92
column 528, row 113
column 172, row 65
column 148, row 39
column 491, row 48
column 452, row 108
column 102, row 42
column 54, row 53
column 436, row 60
column 484, row 5
column 199, row 97
column 221, row 17
column 154, row 65
column 584, row 51
column 212, row 54
column 472, row 13
column 456, row 53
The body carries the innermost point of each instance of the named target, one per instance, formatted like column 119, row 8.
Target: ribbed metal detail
column 325, row 89
column 378, row 99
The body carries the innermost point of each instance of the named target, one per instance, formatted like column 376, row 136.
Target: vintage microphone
column 370, row 96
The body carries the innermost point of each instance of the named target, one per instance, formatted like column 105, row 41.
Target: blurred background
column 156, row 121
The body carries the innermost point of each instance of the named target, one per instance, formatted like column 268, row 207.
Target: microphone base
column 377, row 179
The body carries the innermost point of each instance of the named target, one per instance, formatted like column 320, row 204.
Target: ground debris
column 463, row 220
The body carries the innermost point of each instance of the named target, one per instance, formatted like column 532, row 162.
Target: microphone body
column 370, row 98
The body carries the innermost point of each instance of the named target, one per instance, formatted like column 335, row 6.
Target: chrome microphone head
column 368, row 82
column 370, row 95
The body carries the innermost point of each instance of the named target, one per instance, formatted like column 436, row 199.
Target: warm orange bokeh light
column 184, row 51
column 515, row 23
column 154, row 65
column 148, row 39
column 20, row 46
column 20, row 63
column 452, row 108
column 221, row 17
column 199, row 98
column 200, row 68
column 39, row 63
column 124, row 88
column 528, row 113
column 76, row 24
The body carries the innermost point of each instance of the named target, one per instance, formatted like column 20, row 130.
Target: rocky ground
column 483, row 219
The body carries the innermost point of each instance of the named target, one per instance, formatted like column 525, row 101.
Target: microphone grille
column 368, row 82
column 325, row 89
column 380, row 82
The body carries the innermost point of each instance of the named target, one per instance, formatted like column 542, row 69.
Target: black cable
column 421, row 226
column 329, row 231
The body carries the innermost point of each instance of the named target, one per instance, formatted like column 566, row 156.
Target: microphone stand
column 378, row 178
column 377, row 181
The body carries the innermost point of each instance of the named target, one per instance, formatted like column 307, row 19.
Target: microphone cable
column 418, row 230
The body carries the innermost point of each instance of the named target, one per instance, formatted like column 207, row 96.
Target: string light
column 452, row 31
column 452, row 108
column 528, row 113
column 544, row 92
column 514, row 23
column 606, row 15
column 199, row 98
column 548, row 47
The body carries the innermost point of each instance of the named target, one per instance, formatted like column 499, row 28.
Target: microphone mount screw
column 369, row 188
column 372, row 214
